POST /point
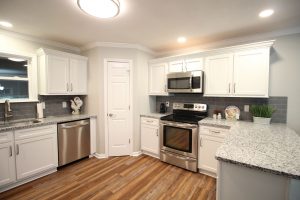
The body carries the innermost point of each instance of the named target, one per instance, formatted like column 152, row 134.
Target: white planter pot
column 261, row 120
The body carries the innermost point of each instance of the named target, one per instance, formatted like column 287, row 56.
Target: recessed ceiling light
column 16, row 59
column 6, row 24
column 181, row 39
column 266, row 13
column 100, row 8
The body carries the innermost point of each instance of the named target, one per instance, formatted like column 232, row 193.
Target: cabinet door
column 218, row 75
column 149, row 139
column 207, row 152
column 7, row 164
column 177, row 66
column 157, row 79
column 36, row 155
column 57, row 74
column 78, row 76
column 194, row 64
column 251, row 73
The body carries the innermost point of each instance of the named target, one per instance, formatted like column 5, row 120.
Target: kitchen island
column 258, row 162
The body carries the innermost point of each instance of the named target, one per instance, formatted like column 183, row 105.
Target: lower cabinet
column 150, row 136
column 31, row 152
column 210, row 139
column 7, row 158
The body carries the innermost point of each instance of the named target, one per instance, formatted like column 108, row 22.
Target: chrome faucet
column 7, row 111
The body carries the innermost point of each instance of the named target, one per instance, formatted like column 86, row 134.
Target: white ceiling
column 155, row 24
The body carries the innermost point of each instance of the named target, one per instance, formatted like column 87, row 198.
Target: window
column 17, row 80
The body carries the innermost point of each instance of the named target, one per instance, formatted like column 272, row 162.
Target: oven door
column 179, row 138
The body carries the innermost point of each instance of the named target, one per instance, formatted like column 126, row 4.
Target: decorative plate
column 232, row 112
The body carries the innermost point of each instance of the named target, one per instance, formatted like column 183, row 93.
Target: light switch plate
column 167, row 104
column 246, row 108
column 64, row 104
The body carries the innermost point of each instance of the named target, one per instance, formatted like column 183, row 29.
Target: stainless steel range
column 179, row 135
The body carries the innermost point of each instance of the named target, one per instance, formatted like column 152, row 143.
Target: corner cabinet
column 150, row 136
column 158, row 79
column 61, row 73
column 243, row 73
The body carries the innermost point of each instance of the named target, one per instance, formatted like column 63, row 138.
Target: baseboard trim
column 136, row 153
column 100, row 155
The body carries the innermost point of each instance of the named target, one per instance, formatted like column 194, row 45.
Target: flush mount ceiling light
column 6, row 24
column 266, row 13
column 181, row 40
column 100, row 8
column 16, row 59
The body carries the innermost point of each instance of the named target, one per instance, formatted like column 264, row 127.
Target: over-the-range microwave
column 185, row 82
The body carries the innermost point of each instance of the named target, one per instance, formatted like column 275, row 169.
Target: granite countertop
column 272, row 148
column 155, row 115
column 28, row 123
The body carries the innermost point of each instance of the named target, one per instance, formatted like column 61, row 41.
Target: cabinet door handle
column 200, row 142
column 234, row 88
column 10, row 151
column 67, row 87
column 165, row 88
column 71, row 86
column 17, row 149
column 229, row 88
column 157, row 133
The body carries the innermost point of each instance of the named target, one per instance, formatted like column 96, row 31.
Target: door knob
column 110, row 115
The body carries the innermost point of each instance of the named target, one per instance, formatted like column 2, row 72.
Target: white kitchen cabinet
column 240, row 74
column 150, row 136
column 251, row 73
column 7, row 158
column 157, row 79
column 36, row 150
column 210, row 139
column 218, row 74
column 61, row 73
column 186, row 65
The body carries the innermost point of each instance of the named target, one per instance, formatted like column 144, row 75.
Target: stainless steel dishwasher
column 73, row 141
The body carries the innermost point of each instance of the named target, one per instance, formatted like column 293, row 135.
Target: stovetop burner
column 187, row 113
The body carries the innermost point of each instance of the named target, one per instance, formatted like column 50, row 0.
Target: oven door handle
column 179, row 125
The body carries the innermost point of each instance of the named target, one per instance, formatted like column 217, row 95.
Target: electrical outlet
column 246, row 108
column 167, row 104
column 64, row 104
column 43, row 105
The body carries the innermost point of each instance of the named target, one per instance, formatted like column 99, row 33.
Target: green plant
column 265, row 111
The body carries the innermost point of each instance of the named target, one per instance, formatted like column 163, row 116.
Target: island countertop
column 272, row 148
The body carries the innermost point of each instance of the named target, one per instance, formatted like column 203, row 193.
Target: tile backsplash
column 53, row 107
column 220, row 103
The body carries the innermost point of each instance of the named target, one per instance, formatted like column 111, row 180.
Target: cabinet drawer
column 6, row 137
column 35, row 132
column 212, row 131
column 150, row 121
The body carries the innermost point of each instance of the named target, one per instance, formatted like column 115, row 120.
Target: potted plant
column 262, row 113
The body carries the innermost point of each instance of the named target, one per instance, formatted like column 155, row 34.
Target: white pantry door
column 118, row 104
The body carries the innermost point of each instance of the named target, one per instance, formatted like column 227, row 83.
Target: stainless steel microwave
column 185, row 82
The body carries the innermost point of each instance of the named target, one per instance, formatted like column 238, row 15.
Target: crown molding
column 39, row 40
column 117, row 45
column 229, row 42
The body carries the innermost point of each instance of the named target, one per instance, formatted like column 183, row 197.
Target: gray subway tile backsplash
column 220, row 103
column 53, row 107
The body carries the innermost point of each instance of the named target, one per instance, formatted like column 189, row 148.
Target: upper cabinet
column 186, row 65
column 243, row 73
column 61, row 73
column 157, row 79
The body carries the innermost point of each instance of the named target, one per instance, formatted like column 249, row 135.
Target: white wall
column 95, row 98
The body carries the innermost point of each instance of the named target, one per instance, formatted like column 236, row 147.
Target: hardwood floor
column 127, row 177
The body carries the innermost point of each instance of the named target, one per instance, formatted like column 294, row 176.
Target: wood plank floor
column 141, row 177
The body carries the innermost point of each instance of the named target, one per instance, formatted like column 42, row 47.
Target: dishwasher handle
column 73, row 126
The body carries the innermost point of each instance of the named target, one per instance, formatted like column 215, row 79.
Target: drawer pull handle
column 149, row 121
column 215, row 132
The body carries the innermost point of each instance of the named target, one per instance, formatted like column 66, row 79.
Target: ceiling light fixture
column 266, row 13
column 16, row 59
column 6, row 24
column 100, row 8
column 181, row 39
